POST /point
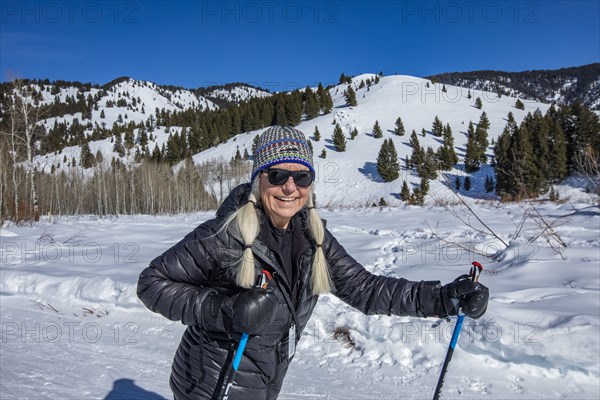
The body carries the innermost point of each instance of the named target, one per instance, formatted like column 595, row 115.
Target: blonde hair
column 246, row 219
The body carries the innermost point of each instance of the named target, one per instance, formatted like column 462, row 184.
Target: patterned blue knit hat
column 281, row 144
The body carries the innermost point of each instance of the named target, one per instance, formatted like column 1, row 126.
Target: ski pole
column 224, row 394
column 474, row 276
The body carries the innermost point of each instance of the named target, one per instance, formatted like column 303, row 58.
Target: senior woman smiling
column 208, row 280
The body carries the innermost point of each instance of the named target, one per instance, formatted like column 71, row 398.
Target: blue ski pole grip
column 240, row 351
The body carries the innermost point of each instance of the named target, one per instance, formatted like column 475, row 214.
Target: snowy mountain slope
column 139, row 100
column 236, row 94
column 72, row 326
column 563, row 86
column 344, row 179
column 350, row 178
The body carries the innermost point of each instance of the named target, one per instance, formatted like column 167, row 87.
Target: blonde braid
column 321, row 281
column 247, row 222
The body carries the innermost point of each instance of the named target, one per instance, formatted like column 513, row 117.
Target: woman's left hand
column 463, row 293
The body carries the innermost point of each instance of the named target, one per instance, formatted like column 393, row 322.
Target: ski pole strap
column 219, row 387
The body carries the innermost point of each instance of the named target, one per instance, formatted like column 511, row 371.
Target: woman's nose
column 290, row 185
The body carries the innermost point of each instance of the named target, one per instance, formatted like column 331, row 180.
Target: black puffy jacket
column 178, row 282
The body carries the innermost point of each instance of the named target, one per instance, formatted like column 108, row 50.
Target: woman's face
column 282, row 202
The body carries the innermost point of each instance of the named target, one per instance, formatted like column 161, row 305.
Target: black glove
column 463, row 293
column 251, row 311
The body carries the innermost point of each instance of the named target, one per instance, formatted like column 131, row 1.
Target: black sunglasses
column 279, row 176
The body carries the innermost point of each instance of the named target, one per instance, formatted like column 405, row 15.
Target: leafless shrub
column 44, row 306
column 588, row 164
column 343, row 335
column 92, row 311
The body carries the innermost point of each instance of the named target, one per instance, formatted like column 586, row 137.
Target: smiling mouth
column 286, row 199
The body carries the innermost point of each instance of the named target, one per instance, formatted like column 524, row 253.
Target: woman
column 208, row 280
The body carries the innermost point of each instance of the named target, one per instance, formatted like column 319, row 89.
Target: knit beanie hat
column 281, row 144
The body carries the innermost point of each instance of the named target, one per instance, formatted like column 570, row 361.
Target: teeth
column 286, row 198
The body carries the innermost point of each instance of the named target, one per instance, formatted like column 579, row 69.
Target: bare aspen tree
column 28, row 116
column 588, row 165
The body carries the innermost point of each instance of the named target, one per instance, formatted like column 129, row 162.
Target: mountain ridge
column 561, row 86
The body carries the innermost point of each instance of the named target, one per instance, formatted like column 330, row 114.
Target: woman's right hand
column 251, row 311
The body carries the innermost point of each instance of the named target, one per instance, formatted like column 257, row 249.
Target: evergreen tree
column 417, row 197
column 293, row 108
column 102, row 115
column 311, row 103
column 129, row 139
column 87, row 158
column 478, row 103
column 418, row 155
column 339, row 140
column 517, row 174
column 325, row 101
column 437, row 128
column 481, row 138
column 99, row 157
column 524, row 167
column 317, row 134
column 504, row 180
column 519, row 105
column 539, row 130
column 142, row 137
column 156, row 155
column 323, row 153
column 580, row 126
column 236, row 121
column 118, row 146
column 484, row 121
column 428, row 167
column 399, row 130
column 172, row 153
column 354, row 133
column 405, row 192
column 350, row 96
column 388, row 166
column 423, row 132
column 446, row 154
column 472, row 155
column 467, row 183
column 377, row 131
column 457, row 183
column 557, row 148
column 424, row 185
column 280, row 113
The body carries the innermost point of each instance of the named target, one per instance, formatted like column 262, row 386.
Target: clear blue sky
column 282, row 44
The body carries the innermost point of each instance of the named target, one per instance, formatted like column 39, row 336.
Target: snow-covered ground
column 73, row 328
